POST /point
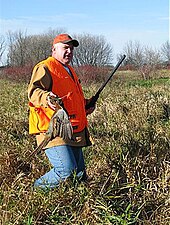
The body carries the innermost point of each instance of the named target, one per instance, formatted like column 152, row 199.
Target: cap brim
column 74, row 42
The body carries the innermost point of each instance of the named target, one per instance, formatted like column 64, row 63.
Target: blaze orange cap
column 65, row 39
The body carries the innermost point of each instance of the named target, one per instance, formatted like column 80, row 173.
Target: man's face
column 63, row 52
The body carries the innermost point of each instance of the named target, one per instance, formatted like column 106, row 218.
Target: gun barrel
column 96, row 96
column 113, row 72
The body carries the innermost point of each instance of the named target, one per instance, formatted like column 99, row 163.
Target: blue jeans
column 65, row 160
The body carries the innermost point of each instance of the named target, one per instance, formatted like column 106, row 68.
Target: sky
column 119, row 21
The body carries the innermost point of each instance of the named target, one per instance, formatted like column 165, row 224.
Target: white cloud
column 164, row 18
column 40, row 23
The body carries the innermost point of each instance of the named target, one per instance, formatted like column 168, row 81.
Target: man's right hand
column 53, row 101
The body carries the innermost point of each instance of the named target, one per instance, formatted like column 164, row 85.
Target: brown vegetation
column 128, row 166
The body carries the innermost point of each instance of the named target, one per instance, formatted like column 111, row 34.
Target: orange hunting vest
column 67, row 88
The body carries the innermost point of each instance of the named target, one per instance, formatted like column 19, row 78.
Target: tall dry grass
column 128, row 166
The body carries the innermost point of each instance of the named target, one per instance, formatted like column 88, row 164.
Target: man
column 54, row 87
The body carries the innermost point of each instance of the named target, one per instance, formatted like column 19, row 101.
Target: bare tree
column 152, row 61
column 2, row 46
column 165, row 50
column 24, row 49
column 134, row 53
column 17, row 48
column 93, row 50
column 40, row 45
column 39, row 48
column 51, row 33
column 144, row 59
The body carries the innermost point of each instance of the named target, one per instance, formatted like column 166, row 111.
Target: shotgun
column 96, row 96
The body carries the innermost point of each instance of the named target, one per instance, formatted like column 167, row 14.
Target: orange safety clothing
column 66, row 88
column 39, row 118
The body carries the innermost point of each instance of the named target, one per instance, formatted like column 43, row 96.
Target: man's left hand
column 90, row 110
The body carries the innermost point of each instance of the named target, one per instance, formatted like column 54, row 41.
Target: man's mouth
column 68, row 57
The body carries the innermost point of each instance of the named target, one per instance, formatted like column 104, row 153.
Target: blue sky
column 146, row 21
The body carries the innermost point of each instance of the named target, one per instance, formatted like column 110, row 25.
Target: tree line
column 22, row 49
column 25, row 49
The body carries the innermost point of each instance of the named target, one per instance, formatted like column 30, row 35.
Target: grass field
column 128, row 165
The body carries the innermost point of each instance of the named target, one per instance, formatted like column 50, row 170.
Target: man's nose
column 69, row 50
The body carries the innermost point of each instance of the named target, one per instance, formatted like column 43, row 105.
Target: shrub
column 18, row 74
column 92, row 74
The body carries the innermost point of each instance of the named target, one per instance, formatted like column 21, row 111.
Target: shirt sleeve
column 40, row 85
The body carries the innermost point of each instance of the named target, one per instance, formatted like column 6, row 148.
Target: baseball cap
column 65, row 39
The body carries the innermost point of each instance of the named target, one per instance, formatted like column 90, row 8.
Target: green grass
column 150, row 83
column 128, row 165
